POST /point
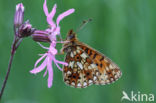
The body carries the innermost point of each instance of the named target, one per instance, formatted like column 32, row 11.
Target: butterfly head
column 71, row 36
column 71, row 41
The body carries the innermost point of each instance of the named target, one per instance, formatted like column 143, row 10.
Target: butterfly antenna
column 83, row 24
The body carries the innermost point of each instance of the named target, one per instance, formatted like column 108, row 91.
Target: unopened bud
column 25, row 30
column 19, row 15
column 40, row 36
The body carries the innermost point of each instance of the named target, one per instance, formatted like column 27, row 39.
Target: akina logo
column 137, row 96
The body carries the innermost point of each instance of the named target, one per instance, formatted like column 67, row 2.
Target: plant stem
column 9, row 66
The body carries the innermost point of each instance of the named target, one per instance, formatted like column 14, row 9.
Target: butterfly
column 86, row 66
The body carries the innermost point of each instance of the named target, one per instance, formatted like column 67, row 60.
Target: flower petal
column 53, row 11
column 40, row 59
column 63, row 63
column 42, row 46
column 58, row 66
column 61, row 16
column 50, row 72
column 39, row 68
column 45, row 9
column 53, row 51
column 45, row 73
column 60, row 62
column 50, row 17
column 57, row 30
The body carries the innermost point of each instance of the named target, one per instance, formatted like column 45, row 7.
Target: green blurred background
column 124, row 30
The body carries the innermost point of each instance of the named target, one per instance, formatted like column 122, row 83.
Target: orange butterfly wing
column 87, row 66
column 108, row 71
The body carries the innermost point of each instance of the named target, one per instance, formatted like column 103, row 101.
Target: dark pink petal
column 39, row 68
column 66, row 13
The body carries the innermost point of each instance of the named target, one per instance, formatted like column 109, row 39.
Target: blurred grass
column 123, row 30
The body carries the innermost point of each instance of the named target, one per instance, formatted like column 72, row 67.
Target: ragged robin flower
column 52, row 32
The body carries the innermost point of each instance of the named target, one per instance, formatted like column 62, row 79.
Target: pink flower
column 49, row 56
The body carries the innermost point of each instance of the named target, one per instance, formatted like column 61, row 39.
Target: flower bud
column 25, row 30
column 19, row 15
column 40, row 36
